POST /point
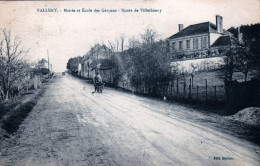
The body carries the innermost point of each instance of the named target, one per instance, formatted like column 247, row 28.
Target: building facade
column 201, row 38
column 98, row 59
column 199, row 41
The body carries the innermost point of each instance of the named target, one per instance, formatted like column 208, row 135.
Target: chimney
column 239, row 36
column 180, row 27
column 219, row 23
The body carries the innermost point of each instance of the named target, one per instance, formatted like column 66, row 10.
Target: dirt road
column 70, row 126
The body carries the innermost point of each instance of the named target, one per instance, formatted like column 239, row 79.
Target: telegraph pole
column 78, row 67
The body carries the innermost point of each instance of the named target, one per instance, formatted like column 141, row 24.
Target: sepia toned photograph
column 130, row 83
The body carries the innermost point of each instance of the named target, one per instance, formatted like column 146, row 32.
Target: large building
column 201, row 41
column 200, row 38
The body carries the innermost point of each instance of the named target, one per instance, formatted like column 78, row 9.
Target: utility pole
column 48, row 64
column 79, row 67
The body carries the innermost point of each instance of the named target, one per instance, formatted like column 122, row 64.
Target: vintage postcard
column 130, row 83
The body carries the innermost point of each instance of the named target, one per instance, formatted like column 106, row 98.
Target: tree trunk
column 230, row 75
column 6, row 95
column 245, row 77
column 192, row 80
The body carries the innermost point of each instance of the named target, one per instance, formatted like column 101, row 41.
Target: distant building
column 98, row 59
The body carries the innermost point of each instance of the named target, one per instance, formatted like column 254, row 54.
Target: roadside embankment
column 14, row 111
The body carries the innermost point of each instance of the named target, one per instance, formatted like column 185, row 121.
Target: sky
column 71, row 34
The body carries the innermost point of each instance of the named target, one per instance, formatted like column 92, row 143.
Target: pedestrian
column 97, row 82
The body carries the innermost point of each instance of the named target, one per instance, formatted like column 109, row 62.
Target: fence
column 181, row 89
column 23, row 87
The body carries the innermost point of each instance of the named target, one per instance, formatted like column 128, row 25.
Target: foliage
column 238, row 59
column 251, row 38
column 229, row 67
column 234, row 31
column 72, row 64
column 249, row 31
column 43, row 63
column 147, row 64
column 41, row 67
column 243, row 94
column 244, row 60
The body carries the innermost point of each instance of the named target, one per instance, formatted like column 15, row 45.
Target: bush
column 242, row 95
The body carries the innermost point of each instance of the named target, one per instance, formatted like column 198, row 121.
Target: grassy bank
column 15, row 111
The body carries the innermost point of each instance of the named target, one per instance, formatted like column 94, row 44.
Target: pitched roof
column 225, row 41
column 106, row 64
column 195, row 29
column 101, row 49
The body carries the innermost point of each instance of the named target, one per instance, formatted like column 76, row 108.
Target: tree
column 149, row 64
column 255, row 50
column 238, row 59
column 72, row 64
column 230, row 63
column 244, row 60
column 149, row 36
column 122, row 40
column 194, row 67
column 234, row 31
column 251, row 39
column 133, row 42
column 12, row 65
column 116, row 46
column 42, row 63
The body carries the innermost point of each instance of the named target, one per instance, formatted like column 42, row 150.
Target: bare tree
column 112, row 46
column 149, row 36
column 122, row 42
column 193, row 70
column 117, row 44
column 12, row 65
column 133, row 42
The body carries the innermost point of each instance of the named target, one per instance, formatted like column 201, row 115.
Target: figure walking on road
column 98, row 83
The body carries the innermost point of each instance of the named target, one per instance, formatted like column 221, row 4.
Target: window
column 180, row 45
column 188, row 44
column 173, row 46
column 201, row 43
column 205, row 42
column 195, row 43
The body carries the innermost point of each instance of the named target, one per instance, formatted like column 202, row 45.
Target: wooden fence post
column 171, row 93
column 177, row 85
column 184, row 88
column 197, row 96
column 190, row 89
column 165, row 89
column 206, row 89
column 215, row 90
